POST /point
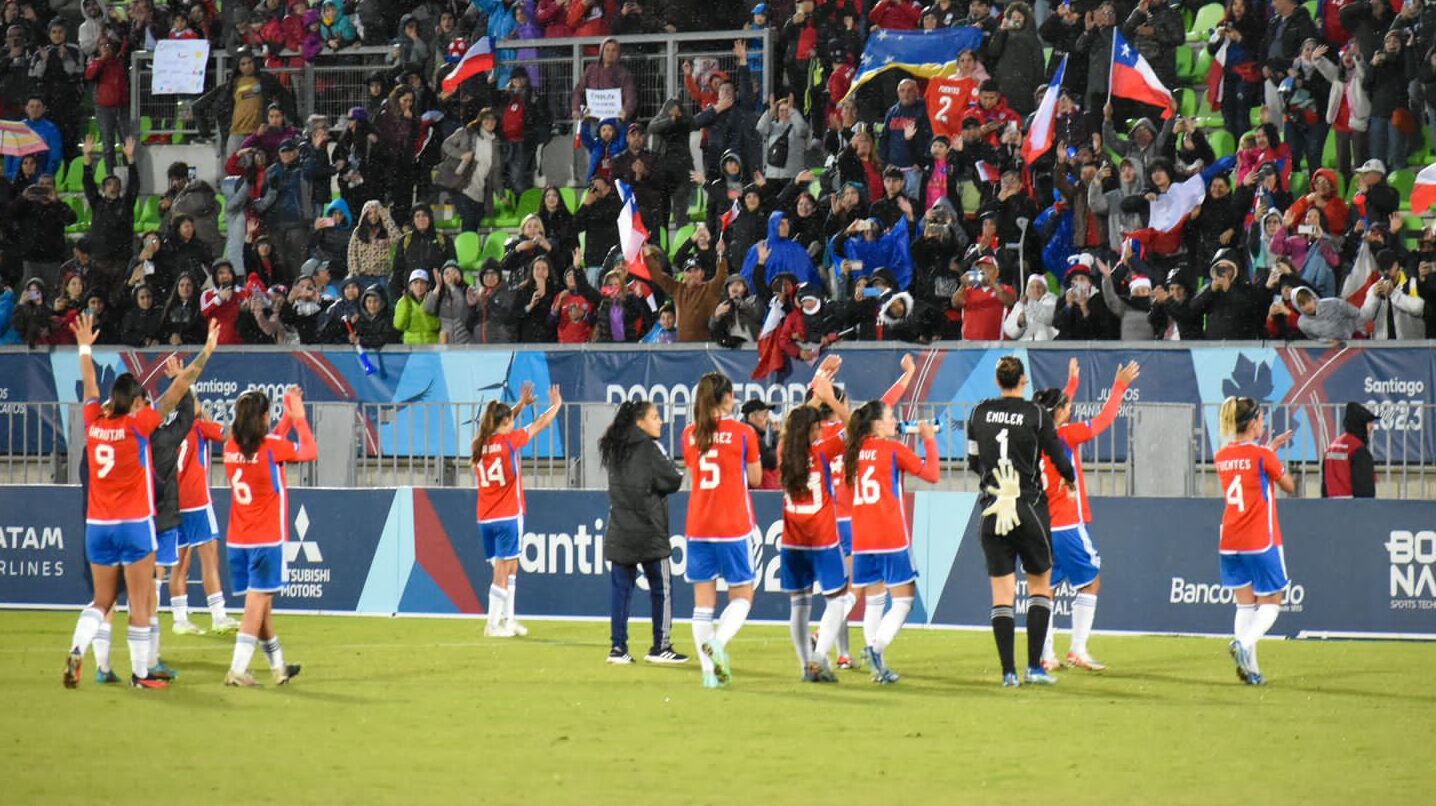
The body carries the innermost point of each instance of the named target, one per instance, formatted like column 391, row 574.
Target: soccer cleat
column 881, row 673
column 288, row 673
column 711, row 680
column 517, row 628
column 1255, row 679
column 1084, row 661
column 73, row 663
column 1009, row 680
column 224, row 626
column 147, row 682
column 819, row 671
column 1050, row 665
column 1039, row 677
column 501, row 630
column 187, row 628
column 107, row 676
column 619, row 656
column 717, row 653
column 1239, row 656
column 845, row 663
column 666, row 656
column 162, row 671
column 243, row 680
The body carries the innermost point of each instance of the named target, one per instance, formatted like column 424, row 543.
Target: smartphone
column 1306, row 229
column 855, row 265
column 872, row 292
column 193, row 173
column 1275, row 298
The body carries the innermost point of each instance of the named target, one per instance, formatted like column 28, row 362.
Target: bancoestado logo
column 1213, row 593
column 674, row 398
column 1413, row 580
column 31, row 551
column 307, row 573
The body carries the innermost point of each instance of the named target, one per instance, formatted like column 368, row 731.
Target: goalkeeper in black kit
column 1008, row 438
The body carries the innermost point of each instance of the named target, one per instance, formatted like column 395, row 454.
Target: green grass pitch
column 429, row 711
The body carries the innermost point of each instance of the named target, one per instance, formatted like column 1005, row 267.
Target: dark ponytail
column 494, row 415
column 1051, row 399
column 707, row 407
column 794, row 466
column 251, row 414
column 613, row 446
column 860, row 427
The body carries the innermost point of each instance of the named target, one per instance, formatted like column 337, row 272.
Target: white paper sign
column 605, row 103
column 179, row 67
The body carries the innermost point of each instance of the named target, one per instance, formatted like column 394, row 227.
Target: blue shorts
column 121, row 543
column 710, row 559
column 198, row 527
column 501, row 538
column 845, row 537
column 1074, row 557
column 167, row 548
column 800, row 568
column 257, row 570
column 1264, row 572
column 890, row 568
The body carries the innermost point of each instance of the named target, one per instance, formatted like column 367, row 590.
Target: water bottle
column 910, row 426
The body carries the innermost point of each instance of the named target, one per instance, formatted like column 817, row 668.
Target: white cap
column 418, row 274
column 1376, row 166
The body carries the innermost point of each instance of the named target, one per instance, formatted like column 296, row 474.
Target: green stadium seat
column 466, row 250
column 1328, row 153
column 1310, row 7
column 1185, row 60
column 1203, row 64
column 1403, row 180
column 570, row 198
column 70, row 180
column 529, row 202
column 1186, row 102
column 683, row 235
column 450, row 219
column 1412, row 226
column 1300, row 183
column 223, row 219
column 505, row 214
column 1207, row 18
column 147, row 216
column 82, row 214
column 1223, row 144
column 494, row 245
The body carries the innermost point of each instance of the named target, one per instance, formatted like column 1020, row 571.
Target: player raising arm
column 722, row 456
column 199, row 530
column 254, row 461
column 120, row 526
column 1074, row 555
column 495, row 455
column 874, row 463
column 1252, row 562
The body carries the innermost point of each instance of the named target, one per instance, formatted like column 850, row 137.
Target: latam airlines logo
column 1413, row 569
column 306, row 580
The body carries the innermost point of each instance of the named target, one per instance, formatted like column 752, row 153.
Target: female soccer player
column 1252, row 562
column 495, row 455
column 874, row 462
column 722, row 455
column 199, row 530
column 1074, row 556
column 810, row 551
column 254, row 462
column 120, row 527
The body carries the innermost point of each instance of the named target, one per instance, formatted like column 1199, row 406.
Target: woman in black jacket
column 640, row 478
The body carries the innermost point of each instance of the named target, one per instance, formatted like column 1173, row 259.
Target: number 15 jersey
column 719, row 507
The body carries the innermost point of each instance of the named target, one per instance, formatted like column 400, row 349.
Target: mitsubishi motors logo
column 308, row 580
column 310, row 550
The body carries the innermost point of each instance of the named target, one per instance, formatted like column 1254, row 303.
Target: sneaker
column 666, row 656
column 500, row 630
column 1084, row 661
column 147, row 682
column 718, row 654
column 1051, row 665
column 619, row 656
column 1039, row 677
column 288, row 673
column 245, row 680
column 187, row 628
column 845, row 663
column 73, row 663
column 162, row 671
column 107, row 676
column 1009, row 680
column 1239, row 656
column 517, row 628
column 224, row 626
column 711, row 680
column 819, row 672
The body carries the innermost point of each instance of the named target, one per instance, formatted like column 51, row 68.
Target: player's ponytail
column 794, row 463
column 1235, row 415
column 495, row 413
column 614, row 446
column 1051, row 399
column 708, row 398
column 860, row 427
column 123, row 394
column 251, row 421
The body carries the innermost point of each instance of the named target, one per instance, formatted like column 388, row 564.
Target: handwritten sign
column 179, row 67
column 605, row 103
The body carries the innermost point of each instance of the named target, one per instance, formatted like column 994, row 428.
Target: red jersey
column 982, row 314
column 193, row 464
column 259, row 506
column 1067, row 510
column 947, row 101
column 1248, row 473
column 879, row 508
column 501, row 484
column 719, row 507
column 842, row 495
column 118, row 449
column 810, row 521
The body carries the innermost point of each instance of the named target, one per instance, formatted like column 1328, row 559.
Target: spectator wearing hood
column 491, row 307
column 1329, row 318
column 730, row 122
column 448, row 300
column 1396, row 304
column 374, row 328
column 1232, row 305
column 1031, row 317
column 142, row 325
column 1104, row 199
column 608, row 71
column 1323, row 196
column 346, row 308
column 779, row 254
column 369, row 244
column 409, row 50
column 729, row 186
column 112, row 216
column 331, row 236
column 670, row 130
column 604, row 143
column 937, row 290
column 694, row 294
column 597, row 218
column 1172, row 317
column 737, row 318
column 901, row 318
column 335, row 27
column 1015, row 55
column 866, row 247
column 422, row 247
column 239, row 107
column 1143, row 143
column 1348, row 469
column 1082, row 312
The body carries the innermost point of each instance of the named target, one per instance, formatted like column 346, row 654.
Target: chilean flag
column 631, row 232
column 1039, row 137
column 728, row 218
column 987, row 173
column 1423, row 193
column 1133, row 78
column 771, row 357
column 478, row 59
column 1215, row 77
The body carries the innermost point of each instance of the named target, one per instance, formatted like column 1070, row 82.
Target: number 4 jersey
column 259, row 504
column 1248, row 474
column 501, row 487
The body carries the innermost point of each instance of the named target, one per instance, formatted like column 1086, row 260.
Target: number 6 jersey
column 501, row 487
column 259, row 500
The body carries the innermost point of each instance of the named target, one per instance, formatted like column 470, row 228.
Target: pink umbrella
column 17, row 139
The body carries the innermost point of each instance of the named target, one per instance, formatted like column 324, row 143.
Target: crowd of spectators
column 857, row 216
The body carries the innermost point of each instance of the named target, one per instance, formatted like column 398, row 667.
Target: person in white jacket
column 1031, row 318
column 1348, row 99
column 1395, row 307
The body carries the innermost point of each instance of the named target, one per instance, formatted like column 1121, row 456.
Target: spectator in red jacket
column 1347, row 468
column 224, row 301
column 897, row 15
column 590, row 17
column 110, row 74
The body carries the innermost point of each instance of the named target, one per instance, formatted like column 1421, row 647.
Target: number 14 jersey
column 501, row 486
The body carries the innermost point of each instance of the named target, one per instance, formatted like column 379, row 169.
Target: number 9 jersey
column 718, row 506
column 119, row 453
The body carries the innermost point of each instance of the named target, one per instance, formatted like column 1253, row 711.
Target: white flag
column 1171, row 208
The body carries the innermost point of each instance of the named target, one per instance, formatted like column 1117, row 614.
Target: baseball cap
column 312, row 267
column 418, row 274
column 1372, row 166
column 750, row 406
column 291, row 144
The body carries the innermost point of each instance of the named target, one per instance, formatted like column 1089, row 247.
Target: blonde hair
column 534, row 218
column 1235, row 415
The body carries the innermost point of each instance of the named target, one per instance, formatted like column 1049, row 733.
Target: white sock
column 1243, row 620
column 1084, row 612
column 513, row 595
column 850, row 601
column 274, row 652
column 216, row 606
column 159, row 593
column 831, row 627
column 498, row 604
column 702, row 633
column 101, row 645
column 154, row 640
column 873, row 617
column 1261, row 622
column 893, row 621
column 179, row 605
column 88, row 624
column 800, row 614
column 1049, row 652
column 139, row 640
column 732, row 620
column 244, row 646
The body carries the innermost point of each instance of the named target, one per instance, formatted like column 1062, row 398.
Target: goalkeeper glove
column 1006, row 493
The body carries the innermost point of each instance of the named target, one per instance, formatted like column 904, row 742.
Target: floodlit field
column 428, row 711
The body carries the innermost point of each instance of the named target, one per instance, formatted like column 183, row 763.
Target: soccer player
column 874, row 463
column 165, row 446
column 722, row 455
column 1006, row 438
column 809, row 551
column 119, row 520
column 495, row 455
column 1074, row 556
column 1252, row 562
column 199, row 530
column 254, row 461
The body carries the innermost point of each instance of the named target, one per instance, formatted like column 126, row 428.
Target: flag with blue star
column 924, row 54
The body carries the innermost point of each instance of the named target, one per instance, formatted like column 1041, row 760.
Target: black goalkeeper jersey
column 1019, row 431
